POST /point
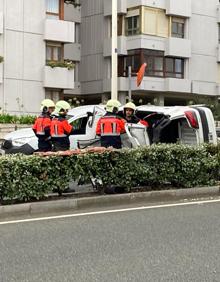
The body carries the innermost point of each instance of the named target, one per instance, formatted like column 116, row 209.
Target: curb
column 73, row 204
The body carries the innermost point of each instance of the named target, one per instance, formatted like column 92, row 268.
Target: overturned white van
column 175, row 124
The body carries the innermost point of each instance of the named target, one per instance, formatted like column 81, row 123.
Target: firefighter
column 41, row 126
column 129, row 114
column 111, row 126
column 60, row 129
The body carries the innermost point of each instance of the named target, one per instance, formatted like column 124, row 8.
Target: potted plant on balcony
column 65, row 64
column 75, row 3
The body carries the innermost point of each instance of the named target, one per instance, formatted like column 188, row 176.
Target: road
column 159, row 243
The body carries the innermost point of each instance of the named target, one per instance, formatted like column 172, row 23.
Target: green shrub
column 66, row 64
column 158, row 167
column 26, row 119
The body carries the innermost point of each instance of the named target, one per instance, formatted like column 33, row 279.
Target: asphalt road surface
column 165, row 243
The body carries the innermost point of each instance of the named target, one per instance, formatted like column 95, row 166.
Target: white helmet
column 130, row 105
column 62, row 106
column 47, row 103
column 112, row 106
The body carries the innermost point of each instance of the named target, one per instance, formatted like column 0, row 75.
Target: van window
column 79, row 125
column 177, row 131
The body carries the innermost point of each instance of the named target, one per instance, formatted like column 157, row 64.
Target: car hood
column 21, row 133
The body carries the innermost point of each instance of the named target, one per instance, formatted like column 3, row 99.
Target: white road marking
column 110, row 211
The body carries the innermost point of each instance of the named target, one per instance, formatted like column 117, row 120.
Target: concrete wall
column 199, row 47
column 92, row 66
column 203, row 32
column 22, row 44
column 23, row 49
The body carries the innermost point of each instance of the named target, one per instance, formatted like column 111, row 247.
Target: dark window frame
column 145, row 55
column 53, row 46
column 60, row 14
column 133, row 30
column 180, row 26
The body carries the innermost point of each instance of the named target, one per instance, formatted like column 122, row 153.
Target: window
column 54, row 9
column 177, row 27
column 54, row 95
column 132, row 25
column 120, row 26
column 157, row 64
column 174, row 67
column 79, row 125
column 155, row 22
column 54, row 52
column 133, row 59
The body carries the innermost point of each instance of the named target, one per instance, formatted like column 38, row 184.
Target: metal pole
column 129, row 83
column 114, row 81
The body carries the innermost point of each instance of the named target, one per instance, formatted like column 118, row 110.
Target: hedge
column 26, row 119
column 27, row 178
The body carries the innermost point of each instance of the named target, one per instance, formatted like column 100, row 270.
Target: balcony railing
column 58, row 77
column 60, row 31
column 178, row 47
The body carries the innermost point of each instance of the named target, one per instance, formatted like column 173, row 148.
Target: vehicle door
column 208, row 124
column 85, row 128
column 137, row 136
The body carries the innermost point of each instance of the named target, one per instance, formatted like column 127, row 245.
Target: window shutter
column 162, row 24
column 150, row 21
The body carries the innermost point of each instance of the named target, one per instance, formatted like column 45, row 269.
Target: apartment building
column 178, row 39
column 38, row 49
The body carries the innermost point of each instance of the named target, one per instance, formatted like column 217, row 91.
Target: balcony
column 143, row 41
column 61, row 31
column 153, row 84
column 177, row 85
column 122, row 48
column 204, row 87
column 58, row 77
column 75, row 91
column 178, row 47
column 179, row 8
column 72, row 13
column 122, row 7
column 148, row 84
column 72, row 52
column 122, row 84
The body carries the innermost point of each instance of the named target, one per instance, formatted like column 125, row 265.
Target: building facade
column 38, row 47
column 177, row 39
column 41, row 40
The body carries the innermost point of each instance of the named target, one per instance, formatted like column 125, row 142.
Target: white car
column 175, row 124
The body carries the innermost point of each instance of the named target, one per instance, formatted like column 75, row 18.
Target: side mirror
column 90, row 122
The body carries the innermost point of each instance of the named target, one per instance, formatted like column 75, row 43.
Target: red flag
column 140, row 73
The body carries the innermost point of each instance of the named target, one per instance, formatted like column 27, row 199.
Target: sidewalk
column 75, row 201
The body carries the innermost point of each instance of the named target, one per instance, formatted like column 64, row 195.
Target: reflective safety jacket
column 60, row 130
column 110, row 125
column 41, row 126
